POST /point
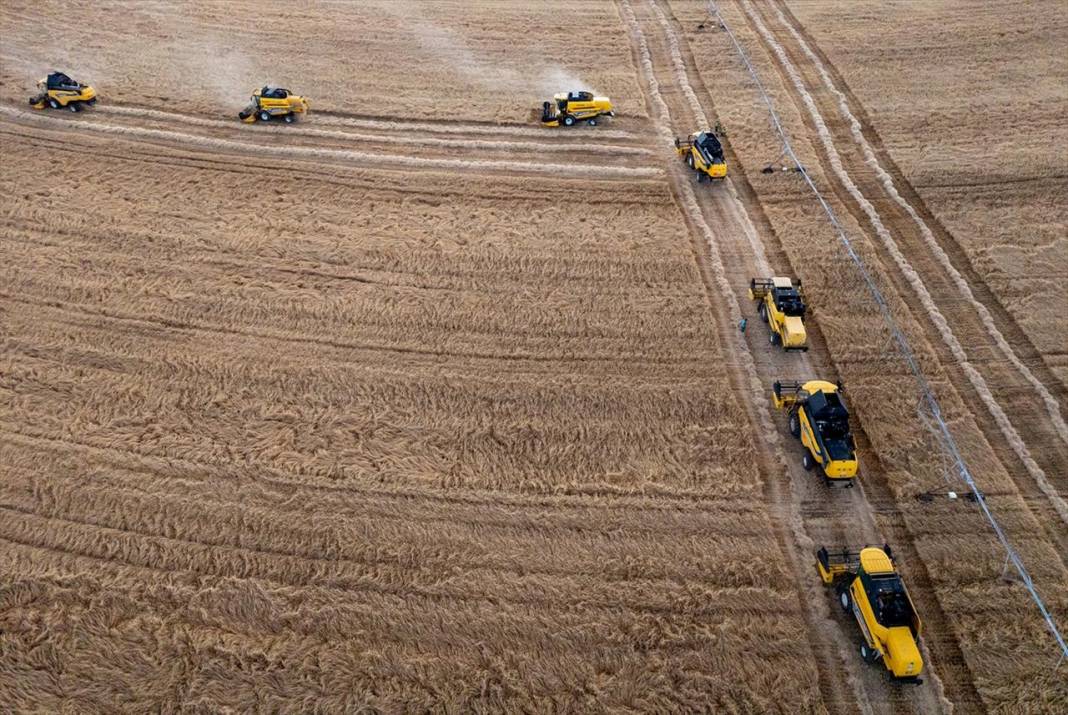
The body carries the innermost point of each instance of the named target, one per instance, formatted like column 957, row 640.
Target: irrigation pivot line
column 927, row 394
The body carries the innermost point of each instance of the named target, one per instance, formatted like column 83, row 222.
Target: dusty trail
column 349, row 156
column 937, row 317
column 801, row 528
column 949, row 662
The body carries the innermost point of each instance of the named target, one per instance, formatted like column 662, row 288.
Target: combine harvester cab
column 781, row 304
column 819, row 418
column 870, row 588
column 270, row 102
column 703, row 153
column 570, row 108
column 59, row 91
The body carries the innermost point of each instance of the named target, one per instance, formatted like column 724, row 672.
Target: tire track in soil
column 300, row 129
column 956, row 672
column 791, row 529
column 1013, row 338
column 890, row 518
column 946, row 271
column 847, row 191
column 348, row 156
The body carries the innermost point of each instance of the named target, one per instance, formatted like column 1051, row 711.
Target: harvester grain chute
column 274, row 103
column 819, row 418
column 870, row 588
column 59, row 91
column 570, row 108
column 781, row 304
column 703, row 153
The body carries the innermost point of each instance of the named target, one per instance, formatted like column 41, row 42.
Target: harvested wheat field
column 416, row 405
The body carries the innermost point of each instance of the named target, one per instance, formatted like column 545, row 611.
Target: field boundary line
column 903, row 345
column 928, row 236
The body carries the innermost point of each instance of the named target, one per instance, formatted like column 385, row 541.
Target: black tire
column 795, row 425
column 592, row 122
column 868, row 654
column 74, row 106
column 54, row 103
column 844, row 600
column 773, row 338
column 569, row 121
column 689, row 160
column 808, row 462
column 289, row 118
column 265, row 116
column 762, row 311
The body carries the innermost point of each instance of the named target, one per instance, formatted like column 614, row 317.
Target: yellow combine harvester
column 869, row 587
column 781, row 304
column 271, row 102
column 59, row 91
column 820, row 420
column 569, row 108
column 703, row 153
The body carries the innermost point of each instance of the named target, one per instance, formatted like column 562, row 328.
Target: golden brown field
column 418, row 406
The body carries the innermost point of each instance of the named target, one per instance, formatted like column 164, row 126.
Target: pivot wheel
column 53, row 103
column 773, row 338
column 265, row 116
column 289, row 118
column 762, row 311
column 74, row 107
column 808, row 462
column 843, row 600
column 869, row 654
column 689, row 160
column 795, row 425
column 592, row 122
column 569, row 121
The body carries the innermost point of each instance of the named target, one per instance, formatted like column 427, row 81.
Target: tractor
column 703, row 153
column 59, row 91
column 870, row 588
column 819, row 418
column 570, row 108
column 271, row 102
column 781, row 304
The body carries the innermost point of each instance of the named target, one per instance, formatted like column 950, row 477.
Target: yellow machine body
column 58, row 91
column 870, row 588
column 819, row 418
column 781, row 304
column 274, row 103
column 570, row 108
column 703, row 153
